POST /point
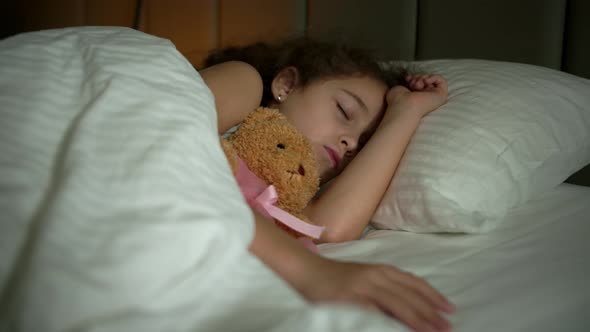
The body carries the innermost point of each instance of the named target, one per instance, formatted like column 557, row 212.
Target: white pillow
column 507, row 132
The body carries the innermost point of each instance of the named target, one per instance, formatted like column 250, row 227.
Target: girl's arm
column 346, row 207
column 377, row 287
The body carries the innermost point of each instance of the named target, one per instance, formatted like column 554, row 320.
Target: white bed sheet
column 531, row 274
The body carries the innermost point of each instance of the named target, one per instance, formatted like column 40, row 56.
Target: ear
column 284, row 82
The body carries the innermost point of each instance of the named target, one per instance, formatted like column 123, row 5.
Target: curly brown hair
column 314, row 60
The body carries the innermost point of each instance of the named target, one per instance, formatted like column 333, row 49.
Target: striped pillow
column 507, row 132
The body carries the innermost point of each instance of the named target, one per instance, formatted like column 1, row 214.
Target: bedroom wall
column 552, row 33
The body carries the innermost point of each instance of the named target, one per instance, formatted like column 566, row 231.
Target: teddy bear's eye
column 281, row 146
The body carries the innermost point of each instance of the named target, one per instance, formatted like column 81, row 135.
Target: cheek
column 311, row 127
column 298, row 118
column 319, row 157
column 310, row 115
column 322, row 162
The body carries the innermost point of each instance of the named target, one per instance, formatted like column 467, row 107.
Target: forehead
column 370, row 91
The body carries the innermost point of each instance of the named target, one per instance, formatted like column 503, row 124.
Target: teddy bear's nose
column 301, row 170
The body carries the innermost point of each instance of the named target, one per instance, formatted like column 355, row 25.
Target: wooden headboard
column 551, row 33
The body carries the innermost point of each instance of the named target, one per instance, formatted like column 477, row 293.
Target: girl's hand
column 425, row 94
column 380, row 287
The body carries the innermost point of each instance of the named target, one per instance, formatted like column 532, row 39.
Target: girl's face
column 337, row 116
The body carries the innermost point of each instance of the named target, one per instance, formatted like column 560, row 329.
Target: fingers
column 412, row 300
column 422, row 287
column 411, row 309
column 426, row 82
column 368, row 304
column 382, row 287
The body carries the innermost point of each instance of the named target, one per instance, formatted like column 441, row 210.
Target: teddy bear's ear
column 263, row 114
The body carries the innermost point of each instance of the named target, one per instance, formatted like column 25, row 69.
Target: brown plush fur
column 279, row 154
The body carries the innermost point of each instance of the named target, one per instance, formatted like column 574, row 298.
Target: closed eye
column 343, row 111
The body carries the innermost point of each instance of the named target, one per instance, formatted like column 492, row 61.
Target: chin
column 328, row 175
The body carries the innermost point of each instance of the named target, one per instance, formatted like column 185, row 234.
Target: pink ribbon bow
column 266, row 201
column 263, row 198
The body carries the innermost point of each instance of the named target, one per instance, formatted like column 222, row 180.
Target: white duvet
column 118, row 210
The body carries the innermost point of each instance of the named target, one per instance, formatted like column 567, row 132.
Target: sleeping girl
column 338, row 97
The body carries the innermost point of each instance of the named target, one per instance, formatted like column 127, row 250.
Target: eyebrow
column 357, row 99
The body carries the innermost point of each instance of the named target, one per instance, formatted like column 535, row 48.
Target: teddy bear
column 275, row 168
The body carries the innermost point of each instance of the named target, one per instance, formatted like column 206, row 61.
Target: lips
column 334, row 158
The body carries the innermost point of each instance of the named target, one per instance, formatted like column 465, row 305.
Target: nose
column 301, row 170
column 349, row 143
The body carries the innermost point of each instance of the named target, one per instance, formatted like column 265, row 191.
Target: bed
column 108, row 224
column 529, row 274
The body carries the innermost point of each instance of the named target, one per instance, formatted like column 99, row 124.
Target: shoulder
column 237, row 87
column 237, row 69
